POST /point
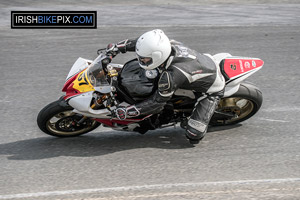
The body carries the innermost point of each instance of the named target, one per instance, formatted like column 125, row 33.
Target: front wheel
column 239, row 107
column 57, row 119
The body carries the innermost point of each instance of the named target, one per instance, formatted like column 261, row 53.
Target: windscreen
column 96, row 73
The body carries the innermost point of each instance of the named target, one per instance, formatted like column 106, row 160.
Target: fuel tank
column 138, row 82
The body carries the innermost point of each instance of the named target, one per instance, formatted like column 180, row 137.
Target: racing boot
column 198, row 123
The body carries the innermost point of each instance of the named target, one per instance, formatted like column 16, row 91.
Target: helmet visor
column 145, row 61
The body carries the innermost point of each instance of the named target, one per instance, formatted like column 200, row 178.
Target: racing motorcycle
column 94, row 88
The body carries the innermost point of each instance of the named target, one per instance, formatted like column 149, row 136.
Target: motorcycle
column 94, row 88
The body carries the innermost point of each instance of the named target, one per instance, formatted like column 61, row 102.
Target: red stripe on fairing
column 111, row 122
column 70, row 80
column 68, row 87
column 236, row 66
column 71, row 92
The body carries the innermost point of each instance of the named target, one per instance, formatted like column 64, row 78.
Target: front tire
column 57, row 119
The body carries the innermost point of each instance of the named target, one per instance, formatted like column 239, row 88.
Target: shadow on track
column 97, row 144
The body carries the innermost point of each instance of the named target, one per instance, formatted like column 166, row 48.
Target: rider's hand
column 123, row 112
column 112, row 49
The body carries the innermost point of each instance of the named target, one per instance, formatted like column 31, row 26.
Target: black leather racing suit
column 189, row 70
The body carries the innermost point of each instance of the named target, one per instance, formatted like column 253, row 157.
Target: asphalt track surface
column 258, row 159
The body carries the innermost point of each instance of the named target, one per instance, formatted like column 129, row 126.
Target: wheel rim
column 241, row 107
column 65, row 123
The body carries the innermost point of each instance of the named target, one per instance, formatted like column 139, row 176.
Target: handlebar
column 111, row 50
column 108, row 54
column 99, row 51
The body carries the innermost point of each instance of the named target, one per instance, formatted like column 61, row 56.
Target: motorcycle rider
column 179, row 68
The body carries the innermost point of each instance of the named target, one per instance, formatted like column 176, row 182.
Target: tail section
column 236, row 69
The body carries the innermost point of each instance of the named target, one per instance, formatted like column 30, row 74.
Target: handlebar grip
column 100, row 50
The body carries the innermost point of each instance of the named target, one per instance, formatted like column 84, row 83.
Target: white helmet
column 153, row 48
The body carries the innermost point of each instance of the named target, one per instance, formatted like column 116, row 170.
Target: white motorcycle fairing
column 237, row 70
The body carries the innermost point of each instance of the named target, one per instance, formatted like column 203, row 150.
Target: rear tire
column 57, row 119
column 244, row 104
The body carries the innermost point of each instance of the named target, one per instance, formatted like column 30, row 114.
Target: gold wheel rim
column 51, row 124
column 239, row 106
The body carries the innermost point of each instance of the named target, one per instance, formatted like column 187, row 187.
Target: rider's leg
column 198, row 123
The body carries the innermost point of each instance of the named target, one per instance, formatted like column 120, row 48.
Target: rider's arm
column 123, row 47
column 168, row 83
column 126, row 45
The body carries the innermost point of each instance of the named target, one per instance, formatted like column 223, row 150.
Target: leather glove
column 124, row 112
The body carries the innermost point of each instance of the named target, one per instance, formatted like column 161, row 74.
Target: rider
column 179, row 68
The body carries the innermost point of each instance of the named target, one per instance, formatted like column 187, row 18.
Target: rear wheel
column 57, row 119
column 238, row 107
